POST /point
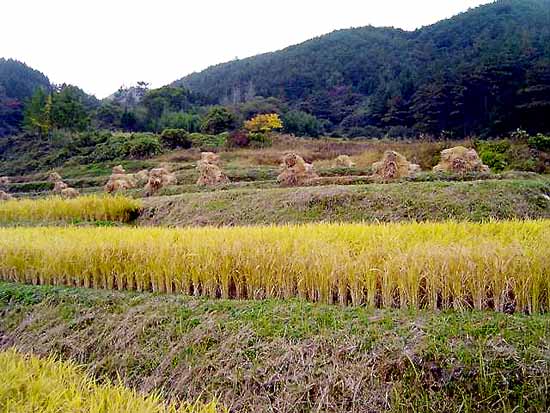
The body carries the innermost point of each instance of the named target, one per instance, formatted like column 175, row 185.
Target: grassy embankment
column 288, row 356
column 421, row 201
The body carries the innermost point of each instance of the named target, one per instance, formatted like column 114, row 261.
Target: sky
column 100, row 45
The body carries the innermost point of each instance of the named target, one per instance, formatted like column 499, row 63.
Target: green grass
column 421, row 201
column 292, row 355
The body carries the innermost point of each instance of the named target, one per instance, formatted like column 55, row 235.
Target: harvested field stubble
column 502, row 266
column 56, row 209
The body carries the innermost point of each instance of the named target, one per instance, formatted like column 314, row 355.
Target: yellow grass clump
column 32, row 384
column 499, row 265
column 57, row 209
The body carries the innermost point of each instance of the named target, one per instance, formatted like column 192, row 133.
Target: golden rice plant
column 56, row 209
column 497, row 265
column 32, row 384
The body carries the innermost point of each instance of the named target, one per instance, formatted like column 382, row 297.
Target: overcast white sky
column 100, row 45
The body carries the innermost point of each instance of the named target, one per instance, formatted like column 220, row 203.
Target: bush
column 260, row 140
column 120, row 146
column 540, row 142
column 206, row 142
column 238, row 139
column 143, row 145
column 302, row 124
column 175, row 138
column 494, row 154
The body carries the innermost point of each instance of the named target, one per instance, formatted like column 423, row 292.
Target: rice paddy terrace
column 351, row 295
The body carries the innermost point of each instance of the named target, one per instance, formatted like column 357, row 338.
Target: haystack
column 54, row 177
column 119, row 180
column 210, row 173
column 61, row 188
column 4, row 180
column 295, row 171
column 159, row 178
column 343, row 161
column 70, row 193
column 460, row 160
column 4, row 196
column 142, row 177
column 394, row 166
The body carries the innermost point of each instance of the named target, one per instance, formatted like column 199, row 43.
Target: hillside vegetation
column 481, row 72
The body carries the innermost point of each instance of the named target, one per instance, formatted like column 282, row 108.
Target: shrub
column 540, row 142
column 206, row 142
column 494, row 154
column 302, row 124
column 142, row 145
column 123, row 145
column 239, row 139
column 175, row 138
column 260, row 140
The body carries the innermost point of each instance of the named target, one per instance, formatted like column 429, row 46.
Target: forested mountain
column 486, row 71
column 18, row 82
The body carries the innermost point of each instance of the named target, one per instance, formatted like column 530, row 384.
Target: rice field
column 31, row 384
column 498, row 265
column 56, row 209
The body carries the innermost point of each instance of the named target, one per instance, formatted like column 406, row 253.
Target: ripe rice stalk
column 33, row 384
column 495, row 265
column 57, row 209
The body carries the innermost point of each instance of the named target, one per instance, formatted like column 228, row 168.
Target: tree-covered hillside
column 18, row 82
column 486, row 71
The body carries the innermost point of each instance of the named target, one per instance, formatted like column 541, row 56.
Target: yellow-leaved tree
column 264, row 123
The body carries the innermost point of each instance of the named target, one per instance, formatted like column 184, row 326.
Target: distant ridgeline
column 18, row 82
column 486, row 71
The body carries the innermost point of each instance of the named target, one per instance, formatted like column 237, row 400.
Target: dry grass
column 498, row 265
column 31, row 384
column 56, row 209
